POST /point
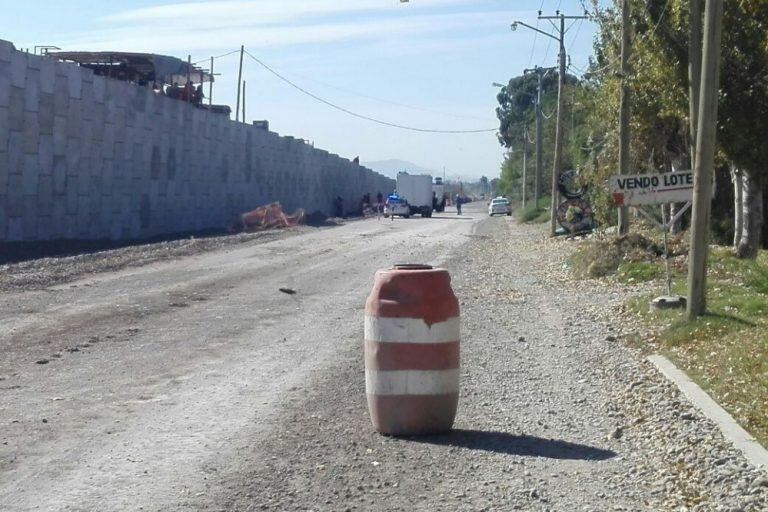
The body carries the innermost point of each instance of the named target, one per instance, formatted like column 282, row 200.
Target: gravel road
column 195, row 384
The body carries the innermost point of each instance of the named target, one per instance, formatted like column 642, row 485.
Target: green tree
column 517, row 121
column 659, row 88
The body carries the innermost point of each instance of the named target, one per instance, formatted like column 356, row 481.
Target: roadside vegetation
column 724, row 351
column 532, row 214
column 660, row 138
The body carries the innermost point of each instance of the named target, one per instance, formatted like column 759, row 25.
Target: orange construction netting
column 270, row 216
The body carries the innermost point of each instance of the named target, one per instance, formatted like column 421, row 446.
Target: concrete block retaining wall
column 86, row 157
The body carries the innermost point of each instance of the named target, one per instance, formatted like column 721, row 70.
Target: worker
column 338, row 204
column 198, row 96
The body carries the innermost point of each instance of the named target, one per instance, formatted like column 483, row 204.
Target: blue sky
column 427, row 63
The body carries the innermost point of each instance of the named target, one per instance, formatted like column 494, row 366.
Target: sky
column 427, row 64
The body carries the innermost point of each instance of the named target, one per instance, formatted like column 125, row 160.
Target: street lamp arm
column 516, row 23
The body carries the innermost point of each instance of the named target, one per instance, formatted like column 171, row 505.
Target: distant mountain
column 392, row 167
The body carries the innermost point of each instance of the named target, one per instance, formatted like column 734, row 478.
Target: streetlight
column 514, row 25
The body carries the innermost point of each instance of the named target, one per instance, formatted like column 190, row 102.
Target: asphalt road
column 126, row 390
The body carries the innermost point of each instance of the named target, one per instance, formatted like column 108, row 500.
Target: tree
column 743, row 102
column 660, row 114
column 517, row 119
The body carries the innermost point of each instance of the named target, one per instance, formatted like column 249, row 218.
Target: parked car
column 499, row 206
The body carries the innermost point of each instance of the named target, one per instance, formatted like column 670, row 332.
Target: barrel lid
column 411, row 266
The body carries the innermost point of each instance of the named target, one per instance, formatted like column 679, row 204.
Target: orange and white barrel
column 412, row 329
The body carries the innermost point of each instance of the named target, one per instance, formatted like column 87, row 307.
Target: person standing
column 458, row 204
column 338, row 205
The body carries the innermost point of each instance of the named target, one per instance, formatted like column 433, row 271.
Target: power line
column 382, row 100
column 577, row 69
column 355, row 114
column 354, row 93
column 637, row 41
column 535, row 34
column 576, row 36
column 207, row 59
column 549, row 44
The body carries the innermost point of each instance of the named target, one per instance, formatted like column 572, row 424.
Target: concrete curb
column 741, row 439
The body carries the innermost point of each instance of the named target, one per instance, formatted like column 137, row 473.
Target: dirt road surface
column 196, row 384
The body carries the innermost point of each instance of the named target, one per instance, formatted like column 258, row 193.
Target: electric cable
column 535, row 34
column 216, row 57
column 576, row 36
column 636, row 42
column 381, row 100
column 355, row 114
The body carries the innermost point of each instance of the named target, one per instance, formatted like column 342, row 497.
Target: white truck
column 416, row 189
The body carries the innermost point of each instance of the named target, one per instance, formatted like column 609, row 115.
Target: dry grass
column 603, row 257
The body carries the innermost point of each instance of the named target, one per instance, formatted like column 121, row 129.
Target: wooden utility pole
column 541, row 73
column 624, row 110
column 239, row 80
column 210, row 86
column 188, row 85
column 557, row 168
column 243, row 100
column 525, row 163
column 539, row 151
column 704, row 160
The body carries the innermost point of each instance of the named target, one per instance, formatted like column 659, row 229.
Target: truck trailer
column 416, row 189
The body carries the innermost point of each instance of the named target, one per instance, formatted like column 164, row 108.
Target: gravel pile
column 555, row 414
column 41, row 273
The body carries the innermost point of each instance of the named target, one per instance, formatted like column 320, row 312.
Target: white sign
column 640, row 189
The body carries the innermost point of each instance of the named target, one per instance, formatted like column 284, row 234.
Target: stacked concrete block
column 83, row 156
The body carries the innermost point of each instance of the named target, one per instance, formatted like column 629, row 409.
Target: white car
column 499, row 206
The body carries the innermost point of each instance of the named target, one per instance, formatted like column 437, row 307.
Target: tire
column 509, row 214
column 564, row 181
column 406, row 215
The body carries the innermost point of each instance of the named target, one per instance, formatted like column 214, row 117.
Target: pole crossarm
column 564, row 17
column 537, row 69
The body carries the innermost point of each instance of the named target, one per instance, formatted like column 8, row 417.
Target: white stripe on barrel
column 411, row 330
column 412, row 382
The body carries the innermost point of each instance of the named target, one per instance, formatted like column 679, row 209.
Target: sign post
column 644, row 189
column 649, row 189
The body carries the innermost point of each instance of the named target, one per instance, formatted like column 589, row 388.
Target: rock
column 617, row 433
